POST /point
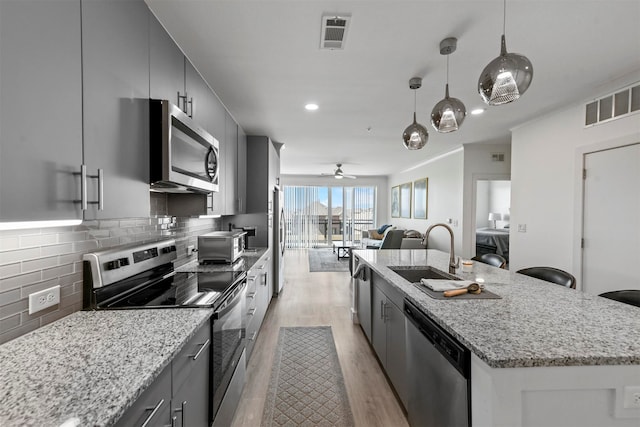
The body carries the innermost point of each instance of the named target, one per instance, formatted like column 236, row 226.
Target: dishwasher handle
column 457, row 354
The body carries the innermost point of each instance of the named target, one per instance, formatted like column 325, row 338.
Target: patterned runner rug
column 306, row 386
column 324, row 259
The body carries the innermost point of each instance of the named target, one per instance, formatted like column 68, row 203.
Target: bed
column 493, row 240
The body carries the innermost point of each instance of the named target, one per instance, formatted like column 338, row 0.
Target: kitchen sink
column 414, row 274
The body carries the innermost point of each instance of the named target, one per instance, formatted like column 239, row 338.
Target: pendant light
column 507, row 77
column 415, row 136
column 448, row 114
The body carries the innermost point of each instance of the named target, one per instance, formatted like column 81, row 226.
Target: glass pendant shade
column 506, row 78
column 448, row 114
column 415, row 136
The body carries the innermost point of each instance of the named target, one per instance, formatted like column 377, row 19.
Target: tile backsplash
column 35, row 259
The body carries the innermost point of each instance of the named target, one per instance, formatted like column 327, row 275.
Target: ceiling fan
column 338, row 174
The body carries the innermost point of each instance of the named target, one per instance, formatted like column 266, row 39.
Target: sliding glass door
column 317, row 216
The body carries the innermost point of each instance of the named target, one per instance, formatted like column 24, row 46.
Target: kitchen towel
column 441, row 285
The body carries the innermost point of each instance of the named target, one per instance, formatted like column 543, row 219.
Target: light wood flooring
column 318, row 299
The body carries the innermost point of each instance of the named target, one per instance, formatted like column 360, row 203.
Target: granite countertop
column 244, row 264
column 88, row 368
column 535, row 323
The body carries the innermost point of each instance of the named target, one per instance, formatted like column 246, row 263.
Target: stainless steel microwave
column 184, row 156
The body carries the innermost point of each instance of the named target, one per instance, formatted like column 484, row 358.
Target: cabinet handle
column 253, row 336
column 83, row 187
column 190, row 102
column 251, row 311
column 252, row 295
column 100, row 178
column 183, row 107
column 182, row 410
column 153, row 413
column 202, row 347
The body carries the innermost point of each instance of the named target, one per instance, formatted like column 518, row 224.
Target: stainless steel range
column 138, row 276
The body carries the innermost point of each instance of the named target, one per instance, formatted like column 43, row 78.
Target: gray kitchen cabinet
column 179, row 397
column 40, row 110
column 166, row 65
column 153, row 406
column 115, row 64
column 231, row 166
column 388, row 333
column 242, row 171
column 190, row 382
column 258, row 298
column 261, row 179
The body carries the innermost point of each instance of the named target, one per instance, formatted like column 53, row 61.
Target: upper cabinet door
column 40, row 110
column 166, row 65
column 231, row 166
column 242, row 171
column 204, row 107
column 115, row 59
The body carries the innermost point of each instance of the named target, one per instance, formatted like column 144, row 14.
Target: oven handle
column 231, row 301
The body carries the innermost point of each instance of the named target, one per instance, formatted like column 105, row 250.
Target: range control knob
column 168, row 249
column 112, row 265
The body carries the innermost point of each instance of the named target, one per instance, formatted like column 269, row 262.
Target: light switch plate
column 44, row 299
column 631, row 397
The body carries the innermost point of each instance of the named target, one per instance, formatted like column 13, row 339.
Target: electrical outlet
column 190, row 249
column 522, row 228
column 44, row 299
column 631, row 397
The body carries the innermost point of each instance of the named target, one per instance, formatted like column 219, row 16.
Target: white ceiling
column 263, row 60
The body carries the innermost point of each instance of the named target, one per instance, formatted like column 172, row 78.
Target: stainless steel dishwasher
column 439, row 373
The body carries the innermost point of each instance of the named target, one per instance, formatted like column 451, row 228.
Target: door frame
column 578, row 212
column 471, row 239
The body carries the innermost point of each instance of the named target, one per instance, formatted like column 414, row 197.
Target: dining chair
column 627, row 296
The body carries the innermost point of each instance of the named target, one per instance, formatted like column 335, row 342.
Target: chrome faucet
column 453, row 263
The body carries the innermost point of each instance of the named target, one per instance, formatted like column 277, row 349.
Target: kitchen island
column 542, row 354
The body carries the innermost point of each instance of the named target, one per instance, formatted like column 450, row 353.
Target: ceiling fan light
column 415, row 136
column 505, row 78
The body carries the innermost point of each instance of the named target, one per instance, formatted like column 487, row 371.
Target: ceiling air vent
column 497, row 157
column 334, row 31
column 613, row 106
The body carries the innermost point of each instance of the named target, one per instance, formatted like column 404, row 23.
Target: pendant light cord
column 448, row 69
column 414, row 101
column 504, row 16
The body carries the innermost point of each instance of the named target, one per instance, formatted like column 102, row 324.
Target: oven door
column 229, row 325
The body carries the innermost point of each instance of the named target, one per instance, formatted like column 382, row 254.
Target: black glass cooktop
column 170, row 290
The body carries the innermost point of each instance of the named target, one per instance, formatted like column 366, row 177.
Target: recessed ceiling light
column 477, row 111
column 311, row 107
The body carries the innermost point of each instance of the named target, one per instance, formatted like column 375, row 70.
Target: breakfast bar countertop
column 535, row 323
column 88, row 368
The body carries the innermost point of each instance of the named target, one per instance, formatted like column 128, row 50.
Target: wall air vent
column 497, row 157
column 334, row 31
column 613, row 106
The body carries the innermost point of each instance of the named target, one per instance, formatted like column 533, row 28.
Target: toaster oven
column 220, row 246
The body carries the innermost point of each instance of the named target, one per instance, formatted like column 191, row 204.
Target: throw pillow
column 373, row 234
column 382, row 228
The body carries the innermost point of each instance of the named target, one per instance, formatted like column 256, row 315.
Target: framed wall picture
column 395, row 201
column 405, row 200
column 420, row 198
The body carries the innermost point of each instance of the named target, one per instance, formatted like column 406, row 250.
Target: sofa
column 372, row 239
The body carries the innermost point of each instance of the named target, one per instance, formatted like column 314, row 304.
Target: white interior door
column 611, row 220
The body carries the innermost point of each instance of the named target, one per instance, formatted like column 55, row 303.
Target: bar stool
column 491, row 259
column 627, row 296
column 550, row 274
